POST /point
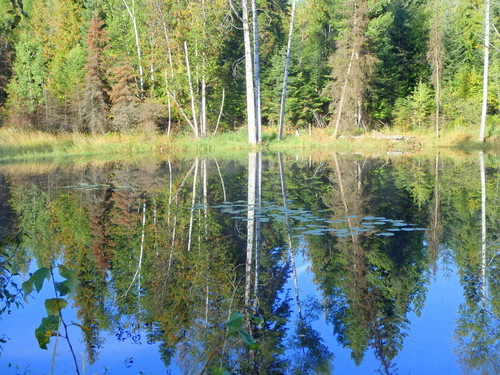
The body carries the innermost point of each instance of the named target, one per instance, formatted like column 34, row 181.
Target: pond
column 273, row 264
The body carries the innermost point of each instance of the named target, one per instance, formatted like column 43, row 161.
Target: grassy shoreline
column 18, row 146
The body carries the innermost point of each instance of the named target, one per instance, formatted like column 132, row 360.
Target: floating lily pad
column 385, row 234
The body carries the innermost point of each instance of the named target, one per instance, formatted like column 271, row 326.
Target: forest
column 205, row 66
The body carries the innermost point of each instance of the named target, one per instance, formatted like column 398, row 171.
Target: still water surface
column 356, row 265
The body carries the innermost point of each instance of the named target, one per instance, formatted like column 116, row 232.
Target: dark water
column 354, row 265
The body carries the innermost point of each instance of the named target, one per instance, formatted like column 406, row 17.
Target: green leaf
column 71, row 277
column 35, row 281
column 38, row 277
column 55, row 305
column 62, row 288
column 235, row 322
column 248, row 340
column 48, row 328
column 27, row 288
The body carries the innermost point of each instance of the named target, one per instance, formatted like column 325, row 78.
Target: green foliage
column 399, row 30
column 413, row 112
column 50, row 325
column 29, row 74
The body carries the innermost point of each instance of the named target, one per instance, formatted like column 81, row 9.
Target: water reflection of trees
column 156, row 259
column 369, row 283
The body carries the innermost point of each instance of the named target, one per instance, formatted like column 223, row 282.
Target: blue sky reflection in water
column 395, row 277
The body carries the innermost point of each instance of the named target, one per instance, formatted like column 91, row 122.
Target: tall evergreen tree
column 95, row 98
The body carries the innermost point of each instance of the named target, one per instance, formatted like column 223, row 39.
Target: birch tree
column 287, row 65
column 484, row 107
column 133, row 18
column 250, row 95
column 435, row 54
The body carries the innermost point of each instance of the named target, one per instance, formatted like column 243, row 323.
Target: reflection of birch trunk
column 221, row 180
column 141, row 252
column 252, row 181
column 205, row 217
column 172, row 243
column 258, row 237
column 192, row 206
column 483, row 225
column 434, row 233
column 289, row 232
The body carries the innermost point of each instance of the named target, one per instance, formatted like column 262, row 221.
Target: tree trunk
column 221, row 110
column 193, row 107
column 435, row 55
column 258, row 233
column 252, row 126
column 342, row 96
column 483, row 226
column 289, row 233
column 131, row 12
column 256, row 64
column 252, row 189
column 285, row 78
column 484, row 108
column 193, row 201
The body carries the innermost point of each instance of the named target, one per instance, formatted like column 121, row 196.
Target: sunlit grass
column 26, row 146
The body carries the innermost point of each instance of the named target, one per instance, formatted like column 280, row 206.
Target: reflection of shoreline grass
column 32, row 146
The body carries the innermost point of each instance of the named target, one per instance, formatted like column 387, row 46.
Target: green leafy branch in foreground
column 235, row 328
column 51, row 324
column 9, row 289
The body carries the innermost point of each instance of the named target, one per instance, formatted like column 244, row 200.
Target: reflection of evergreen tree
column 369, row 283
column 181, row 298
column 6, row 211
column 477, row 334
column 31, row 205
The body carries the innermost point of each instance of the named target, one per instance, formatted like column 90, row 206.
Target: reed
column 22, row 145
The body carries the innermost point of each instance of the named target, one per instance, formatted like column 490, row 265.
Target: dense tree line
column 179, row 66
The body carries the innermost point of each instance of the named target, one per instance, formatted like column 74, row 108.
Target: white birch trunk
column 484, row 108
column 252, row 126
column 131, row 13
column 256, row 64
column 203, row 77
column 193, row 106
column 169, row 105
column 221, row 110
column 285, row 78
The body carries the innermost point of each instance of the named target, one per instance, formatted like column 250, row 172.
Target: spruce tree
column 95, row 98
